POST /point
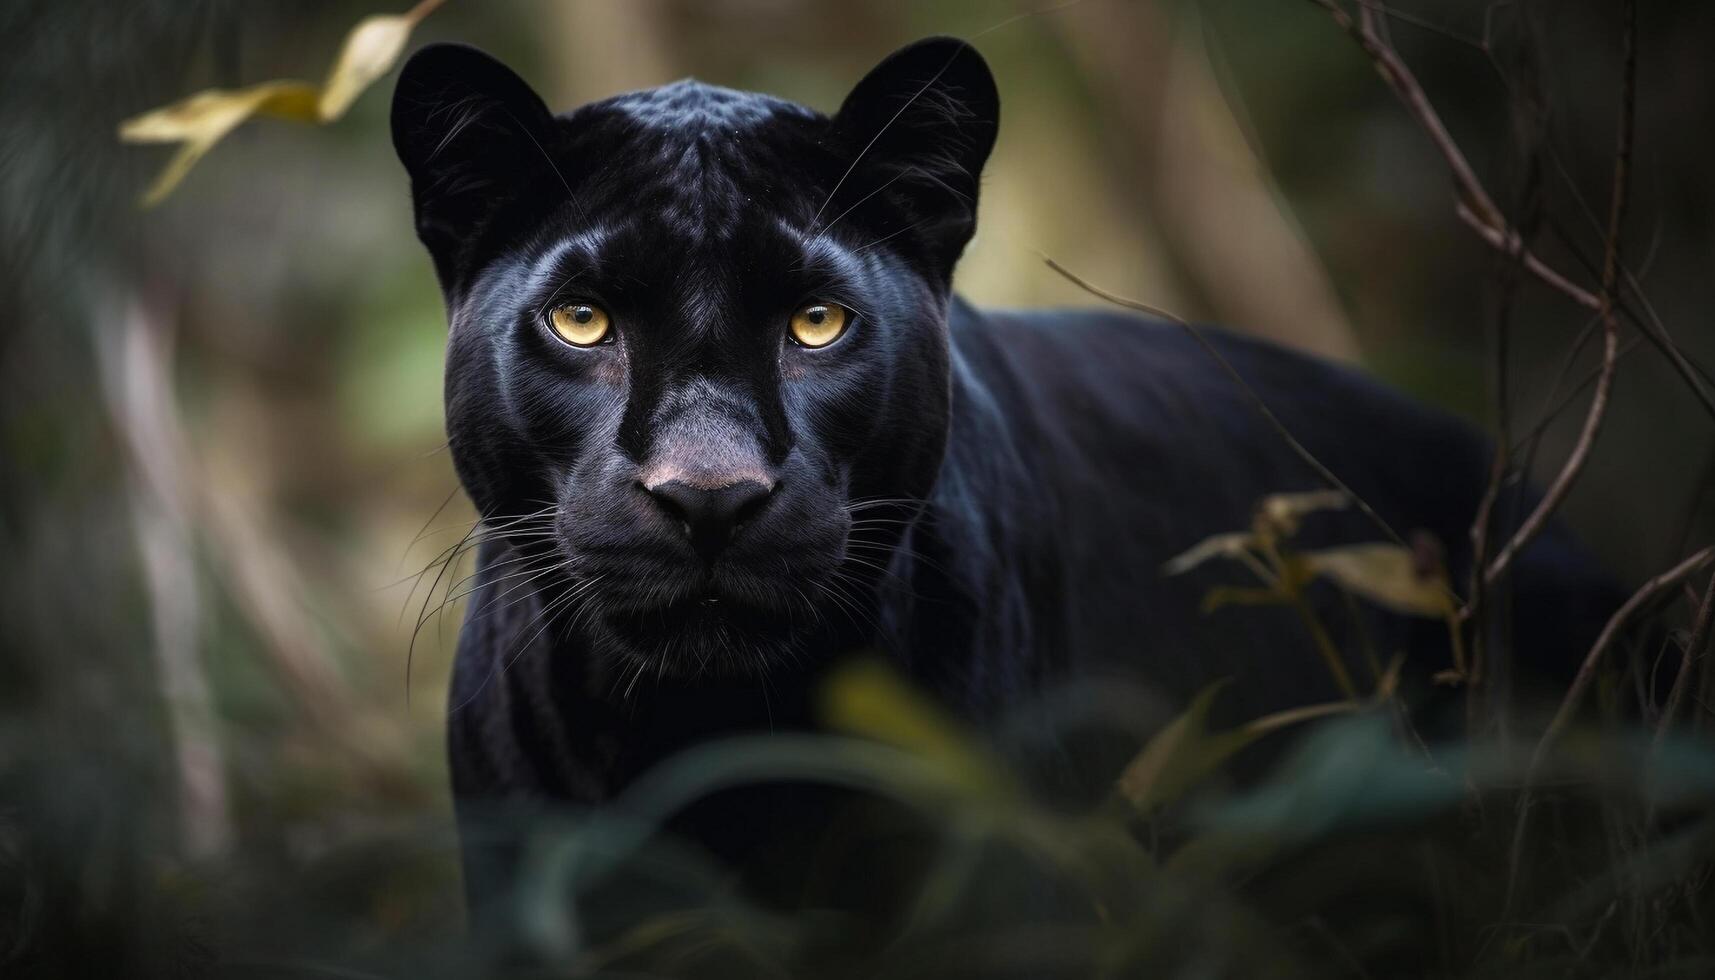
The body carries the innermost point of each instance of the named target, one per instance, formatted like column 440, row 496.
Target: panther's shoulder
column 1055, row 347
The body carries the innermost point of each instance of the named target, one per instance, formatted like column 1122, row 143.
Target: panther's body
column 713, row 512
column 1038, row 556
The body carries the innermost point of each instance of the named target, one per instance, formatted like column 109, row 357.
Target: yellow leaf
column 217, row 111
column 1284, row 511
column 1227, row 595
column 369, row 52
column 1220, row 546
column 1387, row 575
column 202, row 120
column 1185, row 752
column 1179, row 755
column 867, row 698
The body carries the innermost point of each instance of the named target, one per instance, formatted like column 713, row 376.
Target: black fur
column 986, row 497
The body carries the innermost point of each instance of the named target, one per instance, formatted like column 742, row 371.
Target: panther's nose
column 711, row 517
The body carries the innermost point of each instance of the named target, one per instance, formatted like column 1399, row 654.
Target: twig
column 1482, row 688
column 1580, row 454
column 1475, row 207
column 1556, row 493
column 1507, row 241
column 1562, row 485
column 1325, row 646
column 1238, row 379
column 1477, row 210
column 1525, row 447
column 1399, row 78
column 1642, row 314
column 1693, row 654
column 1575, row 695
column 1587, row 671
column 1654, row 329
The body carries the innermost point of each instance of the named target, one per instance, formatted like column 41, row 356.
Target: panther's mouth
column 715, row 593
column 694, row 614
column 703, row 635
column 701, row 621
column 762, row 600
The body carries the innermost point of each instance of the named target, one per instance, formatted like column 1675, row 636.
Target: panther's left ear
column 919, row 128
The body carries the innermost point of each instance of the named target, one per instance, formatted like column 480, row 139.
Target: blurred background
column 222, row 438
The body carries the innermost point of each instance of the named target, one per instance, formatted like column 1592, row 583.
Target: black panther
column 708, row 385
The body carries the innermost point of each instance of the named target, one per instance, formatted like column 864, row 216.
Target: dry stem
column 1475, row 206
column 1581, row 683
column 1688, row 662
column 1575, row 460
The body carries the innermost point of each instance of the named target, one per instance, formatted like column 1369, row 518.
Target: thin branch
column 1238, row 379
column 1580, row 454
column 1580, row 684
column 1475, row 207
column 1647, row 320
column 1654, row 329
column 1399, row 78
column 1642, row 314
column 1527, row 442
column 1574, row 465
column 1508, row 241
column 1526, row 103
column 1421, row 23
column 1477, row 210
column 1587, row 671
column 1693, row 654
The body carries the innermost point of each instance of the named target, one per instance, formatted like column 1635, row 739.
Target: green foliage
column 1359, row 849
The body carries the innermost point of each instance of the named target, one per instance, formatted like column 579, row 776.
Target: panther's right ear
column 920, row 125
column 472, row 135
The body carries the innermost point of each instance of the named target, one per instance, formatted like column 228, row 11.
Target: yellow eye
column 819, row 324
column 579, row 324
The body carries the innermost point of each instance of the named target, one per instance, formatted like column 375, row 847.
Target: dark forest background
column 221, row 431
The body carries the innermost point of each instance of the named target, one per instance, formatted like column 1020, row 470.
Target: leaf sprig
column 200, row 121
column 1408, row 581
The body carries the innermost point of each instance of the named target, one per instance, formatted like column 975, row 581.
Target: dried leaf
column 202, row 120
column 1185, row 752
column 218, row 110
column 369, row 52
column 1219, row 546
column 1284, row 511
column 1229, row 595
column 1387, row 575
column 1180, row 755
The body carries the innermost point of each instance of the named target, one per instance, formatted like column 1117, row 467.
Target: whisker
column 878, row 134
column 424, row 529
column 448, row 561
column 854, row 206
column 498, row 670
column 890, row 235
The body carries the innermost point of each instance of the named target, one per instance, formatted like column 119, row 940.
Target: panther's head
column 697, row 370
